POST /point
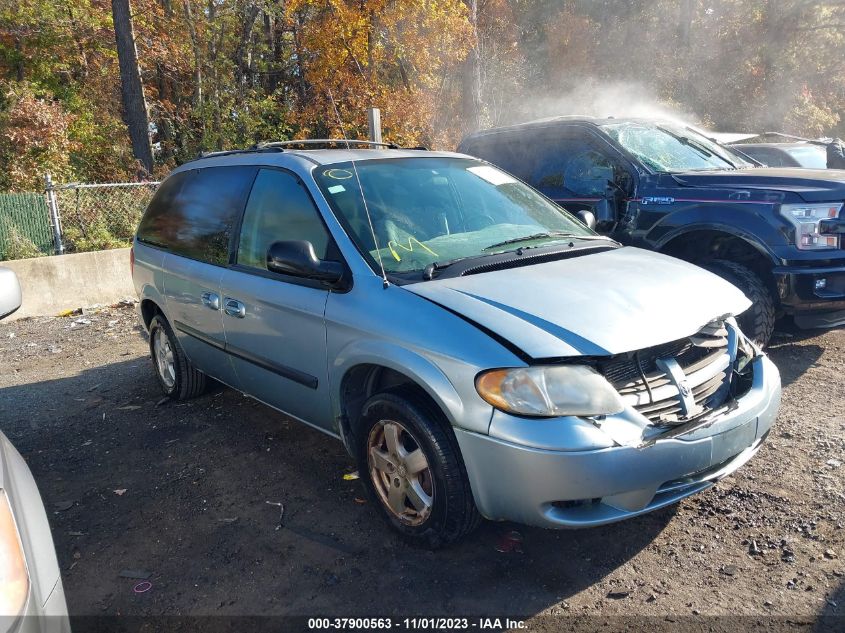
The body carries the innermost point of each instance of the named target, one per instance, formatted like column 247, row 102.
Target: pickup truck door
column 580, row 172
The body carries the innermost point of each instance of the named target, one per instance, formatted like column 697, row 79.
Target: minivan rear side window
column 193, row 212
column 279, row 208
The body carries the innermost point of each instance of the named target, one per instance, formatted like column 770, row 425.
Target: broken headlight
column 805, row 218
column 549, row 391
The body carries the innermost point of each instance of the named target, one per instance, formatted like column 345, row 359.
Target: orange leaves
column 33, row 139
column 393, row 55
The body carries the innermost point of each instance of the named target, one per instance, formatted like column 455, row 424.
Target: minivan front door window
column 279, row 209
column 436, row 209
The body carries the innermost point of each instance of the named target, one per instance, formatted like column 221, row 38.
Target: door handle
column 234, row 308
column 211, row 300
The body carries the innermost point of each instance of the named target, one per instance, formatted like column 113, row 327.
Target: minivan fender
column 421, row 370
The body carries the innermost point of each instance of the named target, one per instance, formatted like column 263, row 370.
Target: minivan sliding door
column 198, row 225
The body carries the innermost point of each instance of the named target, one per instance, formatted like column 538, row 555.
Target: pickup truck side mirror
column 10, row 292
column 298, row 259
column 588, row 218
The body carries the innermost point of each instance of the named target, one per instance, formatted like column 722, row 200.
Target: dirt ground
column 188, row 493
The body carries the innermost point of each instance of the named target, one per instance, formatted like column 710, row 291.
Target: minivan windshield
column 436, row 210
column 669, row 147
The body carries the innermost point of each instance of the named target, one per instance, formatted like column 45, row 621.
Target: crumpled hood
column 605, row 303
column 812, row 185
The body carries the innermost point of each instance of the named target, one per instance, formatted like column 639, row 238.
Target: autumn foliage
column 219, row 74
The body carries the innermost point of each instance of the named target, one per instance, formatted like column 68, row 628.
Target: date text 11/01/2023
column 422, row 623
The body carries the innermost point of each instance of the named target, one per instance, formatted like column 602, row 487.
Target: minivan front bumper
column 573, row 489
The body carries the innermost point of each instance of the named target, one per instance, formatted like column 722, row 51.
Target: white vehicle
column 32, row 598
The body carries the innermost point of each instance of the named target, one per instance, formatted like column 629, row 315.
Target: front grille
column 704, row 360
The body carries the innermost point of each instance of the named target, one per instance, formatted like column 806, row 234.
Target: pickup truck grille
column 641, row 379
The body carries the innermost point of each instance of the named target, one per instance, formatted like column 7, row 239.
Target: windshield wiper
column 432, row 268
column 539, row 236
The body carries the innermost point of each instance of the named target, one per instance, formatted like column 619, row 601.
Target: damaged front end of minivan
column 678, row 387
column 689, row 412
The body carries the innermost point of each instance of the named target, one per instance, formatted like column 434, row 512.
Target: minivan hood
column 811, row 185
column 604, row 303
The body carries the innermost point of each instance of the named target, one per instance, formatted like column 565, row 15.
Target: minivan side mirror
column 588, row 218
column 298, row 259
column 10, row 292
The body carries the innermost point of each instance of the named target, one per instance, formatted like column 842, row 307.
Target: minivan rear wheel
column 178, row 377
column 758, row 322
column 412, row 469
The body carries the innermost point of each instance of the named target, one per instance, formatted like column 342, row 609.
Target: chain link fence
column 97, row 217
column 25, row 228
column 71, row 218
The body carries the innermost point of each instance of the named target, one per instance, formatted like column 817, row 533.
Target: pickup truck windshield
column 669, row 147
column 435, row 210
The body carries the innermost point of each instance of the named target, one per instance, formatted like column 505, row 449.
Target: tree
column 208, row 74
column 472, row 75
column 131, row 88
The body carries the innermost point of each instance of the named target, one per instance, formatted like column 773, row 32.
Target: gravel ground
column 189, row 492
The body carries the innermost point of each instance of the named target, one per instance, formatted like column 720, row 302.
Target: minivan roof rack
column 229, row 152
column 279, row 146
column 325, row 141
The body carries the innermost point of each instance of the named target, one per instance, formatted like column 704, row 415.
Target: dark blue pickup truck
column 775, row 233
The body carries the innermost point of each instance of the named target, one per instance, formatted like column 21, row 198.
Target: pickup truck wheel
column 178, row 378
column 758, row 322
column 412, row 469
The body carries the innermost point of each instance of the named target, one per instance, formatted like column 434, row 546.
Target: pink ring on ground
column 143, row 586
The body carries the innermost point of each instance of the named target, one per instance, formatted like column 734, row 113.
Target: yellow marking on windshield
column 410, row 247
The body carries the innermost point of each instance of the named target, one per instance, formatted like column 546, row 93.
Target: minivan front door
column 275, row 325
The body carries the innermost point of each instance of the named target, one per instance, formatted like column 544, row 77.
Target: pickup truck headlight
column 805, row 218
column 14, row 579
column 549, row 391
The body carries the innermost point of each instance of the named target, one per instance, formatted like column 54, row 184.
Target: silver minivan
column 477, row 349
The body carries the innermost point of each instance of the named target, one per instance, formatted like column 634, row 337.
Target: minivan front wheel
column 399, row 472
column 178, row 378
column 412, row 469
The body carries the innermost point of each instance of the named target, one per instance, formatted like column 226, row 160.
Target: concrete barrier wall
column 65, row 282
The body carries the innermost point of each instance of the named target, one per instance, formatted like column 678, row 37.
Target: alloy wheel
column 164, row 358
column 400, row 472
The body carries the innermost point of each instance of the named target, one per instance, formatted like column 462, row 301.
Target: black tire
column 758, row 322
column 453, row 514
column 188, row 381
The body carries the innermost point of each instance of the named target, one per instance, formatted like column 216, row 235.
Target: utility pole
column 374, row 123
